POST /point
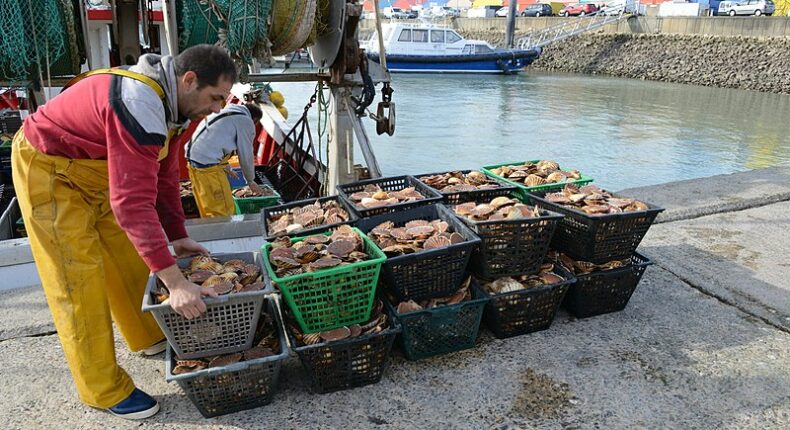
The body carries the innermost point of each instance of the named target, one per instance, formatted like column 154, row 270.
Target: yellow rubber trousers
column 211, row 188
column 90, row 271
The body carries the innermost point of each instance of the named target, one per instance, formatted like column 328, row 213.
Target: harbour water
column 623, row 132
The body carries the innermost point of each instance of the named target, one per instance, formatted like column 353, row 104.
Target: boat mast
column 511, row 23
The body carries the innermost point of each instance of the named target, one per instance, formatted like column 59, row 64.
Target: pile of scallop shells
column 308, row 216
column 534, row 174
column 461, row 295
column 509, row 284
column 372, row 196
column 267, row 347
column 245, row 192
column 453, row 182
column 578, row 267
column 377, row 323
column 317, row 252
column 233, row 276
column 414, row 236
column 594, row 201
column 499, row 208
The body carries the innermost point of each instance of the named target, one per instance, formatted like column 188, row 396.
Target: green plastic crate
column 522, row 189
column 441, row 330
column 253, row 205
column 330, row 298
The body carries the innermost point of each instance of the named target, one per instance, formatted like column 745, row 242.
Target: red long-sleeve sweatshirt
column 123, row 121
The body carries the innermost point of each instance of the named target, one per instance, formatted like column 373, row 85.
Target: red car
column 578, row 9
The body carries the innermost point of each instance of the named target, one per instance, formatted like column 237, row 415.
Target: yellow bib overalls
column 210, row 185
column 90, row 271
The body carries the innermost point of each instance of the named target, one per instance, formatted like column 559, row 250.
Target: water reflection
column 622, row 132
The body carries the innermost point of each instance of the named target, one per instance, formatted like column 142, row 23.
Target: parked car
column 580, row 9
column 394, row 13
column 747, row 7
column 503, row 12
column 540, row 9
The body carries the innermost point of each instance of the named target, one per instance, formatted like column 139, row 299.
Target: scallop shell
column 408, row 306
column 339, row 333
column 548, row 165
column 224, row 360
column 555, row 177
column 533, row 180
column 498, row 202
column 311, row 339
column 436, row 242
column 198, row 261
column 549, row 278
column 200, row 276
column 416, row 223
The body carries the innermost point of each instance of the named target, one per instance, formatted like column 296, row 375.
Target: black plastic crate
column 458, row 197
column 512, row 247
column 5, row 159
column 525, row 311
column 266, row 213
column 433, row 273
column 10, row 122
column 600, row 238
column 607, row 291
column 393, row 183
column 236, row 387
column 348, row 363
column 443, row 329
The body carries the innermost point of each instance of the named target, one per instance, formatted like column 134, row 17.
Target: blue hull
column 500, row 62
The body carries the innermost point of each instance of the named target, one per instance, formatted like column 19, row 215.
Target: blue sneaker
column 136, row 407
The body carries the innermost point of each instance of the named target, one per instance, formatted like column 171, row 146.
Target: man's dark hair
column 255, row 111
column 209, row 62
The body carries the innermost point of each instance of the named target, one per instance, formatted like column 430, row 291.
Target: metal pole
column 340, row 165
column 382, row 57
column 169, row 20
column 85, row 37
column 511, row 22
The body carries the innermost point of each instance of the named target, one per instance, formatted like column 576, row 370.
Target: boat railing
column 612, row 13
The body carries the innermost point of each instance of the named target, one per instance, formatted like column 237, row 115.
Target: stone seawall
column 751, row 63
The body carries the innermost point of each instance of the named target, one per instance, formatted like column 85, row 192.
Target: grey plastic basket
column 227, row 326
column 236, row 387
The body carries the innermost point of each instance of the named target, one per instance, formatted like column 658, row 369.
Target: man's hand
column 232, row 173
column 185, row 297
column 187, row 247
column 255, row 188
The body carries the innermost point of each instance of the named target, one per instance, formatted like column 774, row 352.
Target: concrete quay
column 703, row 344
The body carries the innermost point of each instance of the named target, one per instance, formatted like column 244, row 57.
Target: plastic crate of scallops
column 230, row 319
column 598, row 226
column 515, row 237
column 247, row 202
column 237, row 381
column 349, row 356
column 305, row 217
column 328, row 280
column 427, row 250
column 602, row 288
column 384, row 195
column 440, row 325
column 524, row 304
column 462, row 186
column 535, row 175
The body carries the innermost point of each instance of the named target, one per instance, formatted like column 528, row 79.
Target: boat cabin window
column 405, row 35
column 437, row 36
column 419, row 35
column 482, row 49
column 452, row 37
column 468, row 49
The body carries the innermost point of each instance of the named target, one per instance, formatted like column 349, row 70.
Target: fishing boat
column 426, row 48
